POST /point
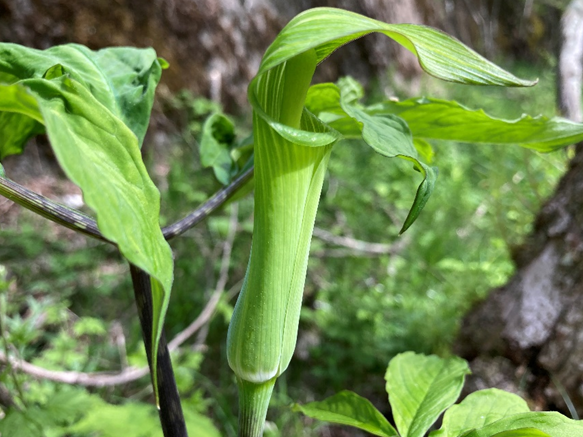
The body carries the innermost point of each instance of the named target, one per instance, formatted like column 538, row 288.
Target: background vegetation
column 66, row 301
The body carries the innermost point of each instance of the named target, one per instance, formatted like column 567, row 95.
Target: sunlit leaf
column 348, row 408
column 522, row 432
column 89, row 110
column 424, row 149
column 479, row 409
column 421, row 387
column 551, row 423
column 448, row 120
column 122, row 79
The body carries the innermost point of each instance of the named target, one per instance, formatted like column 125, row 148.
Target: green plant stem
column 253, row 404
column 77, row 221
column 207, row 208
column 170, row 408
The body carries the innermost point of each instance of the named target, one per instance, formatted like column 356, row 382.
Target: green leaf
column 551, row 423
column 123, row 79
column 479, row 409
column 218, row 135
column 326, row 29
column 19, row 119
column 27, row 423
column 522, row 432
column 448, row 120
column 421, row 387
column 89, row 112
column 348, row 408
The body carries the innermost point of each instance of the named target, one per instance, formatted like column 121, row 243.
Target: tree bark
column 527, row 336
column 213, row 46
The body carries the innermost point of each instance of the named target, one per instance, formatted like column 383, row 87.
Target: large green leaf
column 551, row 423
column 122, row 79
column 348, row 408
column 448, row 120
column 421, row 387
column 479, row 409
column 88, row 117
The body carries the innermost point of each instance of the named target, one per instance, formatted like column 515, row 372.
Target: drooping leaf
column 448, row 120
column 479, row 409
column 421, row 387
column 218, row 135
column 552, row 423
column 348, row 408
column 388, row 135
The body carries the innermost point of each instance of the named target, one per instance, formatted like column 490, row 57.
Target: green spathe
column 288, row 181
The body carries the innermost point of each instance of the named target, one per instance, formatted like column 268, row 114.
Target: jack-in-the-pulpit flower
column 292, row 149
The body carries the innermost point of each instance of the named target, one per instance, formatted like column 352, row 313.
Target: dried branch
column 104, row 379
column 355, row 245
column 100, row 379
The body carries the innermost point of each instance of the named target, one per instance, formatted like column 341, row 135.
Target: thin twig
column 354, row 244
column 99, row 379
column 208, row 207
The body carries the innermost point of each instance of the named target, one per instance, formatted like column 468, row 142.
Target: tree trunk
column 527, row 336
